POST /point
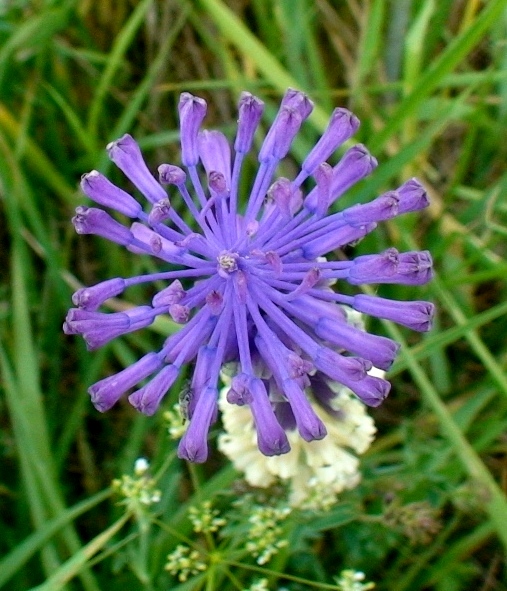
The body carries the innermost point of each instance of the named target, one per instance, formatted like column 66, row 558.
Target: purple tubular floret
column 416, row 315
column 342, row 126
column 127, row 156
column 194, row 443
column 372, row 390
column 355, row 164
column 98, row 188
column 413, row 197
column 147, row 399
column 107, row 392
column 192, row 111
column 333, row 240
column 382, row 208
column 171, row 175
column 381, row 351
column 91, row 298
column 215, row 154
column 345, row 370
column 250, row 112
column 90, row 220
column 309, row 425
column 271, row 438
column 295, row 108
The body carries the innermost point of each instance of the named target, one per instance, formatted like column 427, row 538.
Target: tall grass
column 428, row 79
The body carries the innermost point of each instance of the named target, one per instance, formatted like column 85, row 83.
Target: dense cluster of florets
column 314, row 472
column 250, row 285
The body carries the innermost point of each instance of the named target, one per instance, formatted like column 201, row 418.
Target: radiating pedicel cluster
column 249, row 285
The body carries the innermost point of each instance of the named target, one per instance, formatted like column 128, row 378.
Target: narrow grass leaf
column 440, row 340
column 78, row 561
column 37, row 160
column 478, row 346
column 454, row 53
column 369, row 43
column 115, row 59
column 49, row 555
column 496, row 504
column 143, row 89
column 22, row 553
column 34, row 33
column 237, row 33
column 73, row 120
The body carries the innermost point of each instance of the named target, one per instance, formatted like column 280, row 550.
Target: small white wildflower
column 176, row 425
column 265, row 533
column 205, row 519
column 354, row 318
column 351, row 580
column 141, row 466
column 259, row 585
column 139, row 491
column 184, row 562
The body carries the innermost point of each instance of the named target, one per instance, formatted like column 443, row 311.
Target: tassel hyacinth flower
column 249, row 285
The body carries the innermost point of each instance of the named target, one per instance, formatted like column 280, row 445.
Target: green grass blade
column 237, row 33
column 496, row 505
column 439, row 340
column 114, row 63
column 24, row 391
column 37, row 159
column 22, row 553
column 480, row 349
column 32, row 34
column 455, row 52
column 369, row 43
column 38, row 513
column 78, row 561
column 73, row 120
column 126, row 120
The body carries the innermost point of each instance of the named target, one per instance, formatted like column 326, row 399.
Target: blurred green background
column 428, row 79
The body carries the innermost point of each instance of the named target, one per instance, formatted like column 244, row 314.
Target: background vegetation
column 428, row 79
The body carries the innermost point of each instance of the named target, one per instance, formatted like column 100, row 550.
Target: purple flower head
column 249, row 284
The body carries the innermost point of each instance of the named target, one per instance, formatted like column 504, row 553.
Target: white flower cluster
column 175, row 421
column 265, row 534
column 184, row 562
column 205, row 519
column 259, row 585
column 351, row 580
column 139, row 491
column 315, row 471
